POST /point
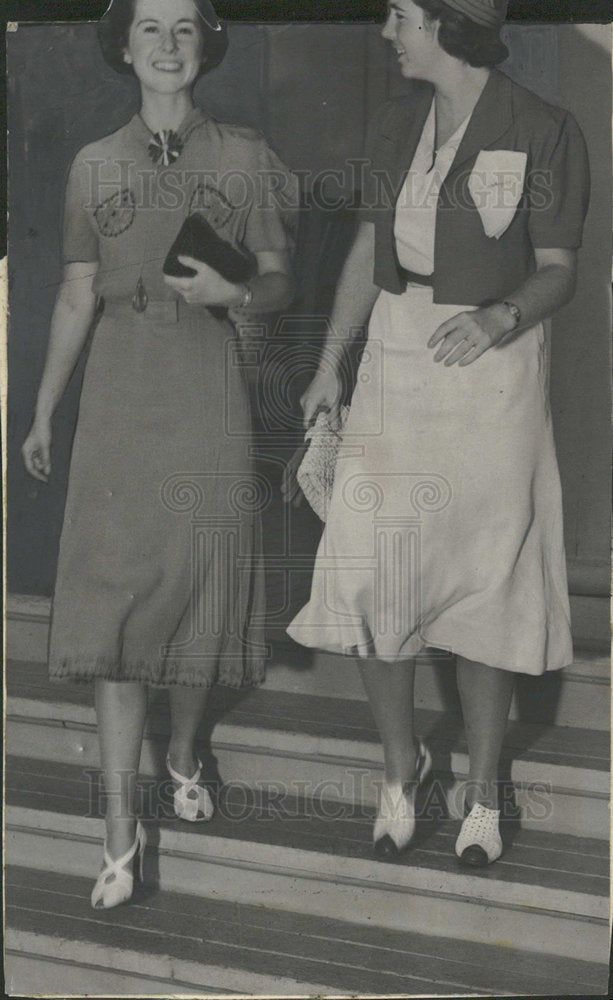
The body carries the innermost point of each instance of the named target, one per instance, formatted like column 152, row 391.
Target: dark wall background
column 311, row 90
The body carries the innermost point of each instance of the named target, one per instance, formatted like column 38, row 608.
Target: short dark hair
column 463, row 38
column 114, row 30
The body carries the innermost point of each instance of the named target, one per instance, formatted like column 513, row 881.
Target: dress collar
column 144, row 135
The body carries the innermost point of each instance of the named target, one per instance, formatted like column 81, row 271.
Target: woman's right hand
column 36, row 451
column 324, row 393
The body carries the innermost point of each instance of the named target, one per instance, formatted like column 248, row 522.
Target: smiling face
column 165, row 46
column 413, row 37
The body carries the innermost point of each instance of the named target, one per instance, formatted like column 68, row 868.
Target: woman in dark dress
column 159, row 578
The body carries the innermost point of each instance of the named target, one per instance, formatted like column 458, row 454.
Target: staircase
column 280, row 894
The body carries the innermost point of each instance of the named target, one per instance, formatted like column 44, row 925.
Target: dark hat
column 207, row 13
column 205, row 9
column 487, row 13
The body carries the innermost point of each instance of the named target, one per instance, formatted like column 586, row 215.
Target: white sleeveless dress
column 445, row 525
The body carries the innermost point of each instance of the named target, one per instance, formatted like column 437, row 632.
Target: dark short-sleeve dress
column 160, row 575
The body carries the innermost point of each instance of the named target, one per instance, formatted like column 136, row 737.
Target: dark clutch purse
column 198, row 239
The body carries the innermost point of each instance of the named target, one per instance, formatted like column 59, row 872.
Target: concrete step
column 590, row 618
column 547, row 894
column 325, row 748
column 166, row 943
column 578, row 696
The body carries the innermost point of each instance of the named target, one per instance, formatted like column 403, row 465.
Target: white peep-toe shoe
column 479, row 843
column 395, row 823
column 191, row 800
column 115, row 882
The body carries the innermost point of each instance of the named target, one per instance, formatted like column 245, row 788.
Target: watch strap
column 247, row 297
column 514, row 310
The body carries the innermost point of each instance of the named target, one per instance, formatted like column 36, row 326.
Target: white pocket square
column 496, row 185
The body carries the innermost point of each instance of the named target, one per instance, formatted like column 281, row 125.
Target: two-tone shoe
column 479, row 843
column 395, row 822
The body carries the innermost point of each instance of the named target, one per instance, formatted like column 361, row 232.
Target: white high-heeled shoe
column 115, row 882
column 395, row 822
column 191, row 800
column 479, row 843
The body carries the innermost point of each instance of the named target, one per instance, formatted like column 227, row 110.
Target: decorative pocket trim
column 116, row 214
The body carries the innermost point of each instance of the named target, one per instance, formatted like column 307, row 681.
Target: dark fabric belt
column 412, row 278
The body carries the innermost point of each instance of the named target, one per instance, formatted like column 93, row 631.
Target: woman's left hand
column 467, row 336
column 206, row 287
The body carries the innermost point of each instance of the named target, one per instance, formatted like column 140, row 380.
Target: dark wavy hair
column 114, row 30
column 463, row 38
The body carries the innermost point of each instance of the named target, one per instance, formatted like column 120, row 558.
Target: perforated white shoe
column 479, row 843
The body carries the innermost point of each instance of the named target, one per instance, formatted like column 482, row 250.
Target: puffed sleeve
column 273, row 214
column 559, row 185
column 79, row 240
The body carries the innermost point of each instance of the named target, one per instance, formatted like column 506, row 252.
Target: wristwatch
column 515, row 313
column 247, row 297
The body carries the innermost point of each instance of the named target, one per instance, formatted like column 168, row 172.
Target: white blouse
column 415, row 221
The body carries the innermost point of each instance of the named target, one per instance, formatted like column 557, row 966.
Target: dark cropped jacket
column 470, row 267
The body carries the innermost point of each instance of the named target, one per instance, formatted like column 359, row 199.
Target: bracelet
column 247, row 297
column 515, row 313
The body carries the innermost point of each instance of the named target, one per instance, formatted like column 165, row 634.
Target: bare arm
column 273, row 286
column 467, row 336
column 72, row 318
column 551, row 286
column 356, row 293
column 355, row 297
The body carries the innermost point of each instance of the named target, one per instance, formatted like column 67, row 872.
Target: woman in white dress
column 445, row 524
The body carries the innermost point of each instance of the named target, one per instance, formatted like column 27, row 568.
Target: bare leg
column 186, row 710
column 485, row 693
column 390, row 692
column 121, row 709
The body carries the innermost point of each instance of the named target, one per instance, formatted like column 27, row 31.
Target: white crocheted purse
column 316, row 472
